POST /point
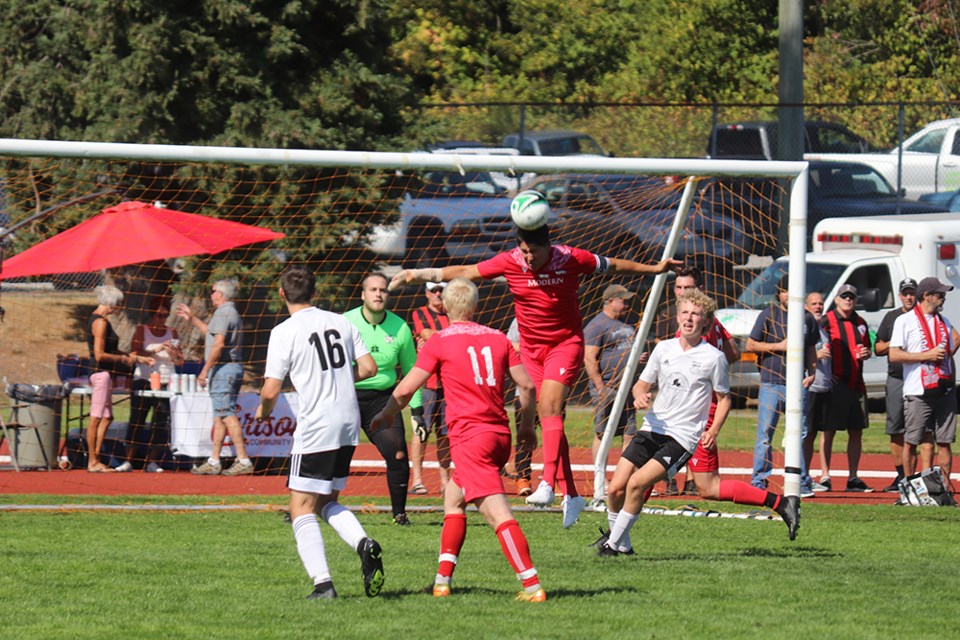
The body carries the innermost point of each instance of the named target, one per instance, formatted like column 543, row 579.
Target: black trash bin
column 40, row 407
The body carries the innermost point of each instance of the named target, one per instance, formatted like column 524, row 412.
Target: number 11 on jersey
column 487, row 354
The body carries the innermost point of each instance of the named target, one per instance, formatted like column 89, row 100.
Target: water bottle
column 173, row 386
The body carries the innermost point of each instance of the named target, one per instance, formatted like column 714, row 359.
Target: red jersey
column 425, row 318
column 473, row 362
column 546, row 301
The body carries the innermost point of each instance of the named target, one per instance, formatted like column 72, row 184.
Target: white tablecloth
column 192, row 425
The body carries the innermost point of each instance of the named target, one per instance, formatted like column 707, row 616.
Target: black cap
column 907, row 283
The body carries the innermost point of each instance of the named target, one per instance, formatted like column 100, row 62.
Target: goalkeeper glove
column 420, row 427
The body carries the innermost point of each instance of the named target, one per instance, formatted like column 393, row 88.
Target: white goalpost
column 794, row 175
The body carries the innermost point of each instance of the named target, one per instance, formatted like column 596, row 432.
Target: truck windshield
column 820, row 277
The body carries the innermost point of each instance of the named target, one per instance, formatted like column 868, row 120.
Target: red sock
column 514, row 545
column 566, row 471
column 740, row 492
column 552, row 438
column 452, row 535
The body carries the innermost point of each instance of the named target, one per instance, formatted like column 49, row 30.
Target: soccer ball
column 530, row 210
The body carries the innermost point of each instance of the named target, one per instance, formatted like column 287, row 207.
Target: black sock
column 899, row 469
column 771, row 500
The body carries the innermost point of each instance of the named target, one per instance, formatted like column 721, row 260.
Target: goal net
column 346, row 214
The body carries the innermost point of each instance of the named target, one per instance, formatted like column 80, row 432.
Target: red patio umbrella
column 130, row 233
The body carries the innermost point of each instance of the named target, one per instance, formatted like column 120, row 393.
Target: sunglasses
column 848, row 296
column 435, row 288
column 937, row 294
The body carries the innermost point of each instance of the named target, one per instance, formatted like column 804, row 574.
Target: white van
column 872, row 253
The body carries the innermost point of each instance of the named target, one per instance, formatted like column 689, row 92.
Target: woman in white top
column 160, row 342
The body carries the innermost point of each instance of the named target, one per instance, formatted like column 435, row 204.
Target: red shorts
column 477, row 461
column 559, row 362
column 706, row 460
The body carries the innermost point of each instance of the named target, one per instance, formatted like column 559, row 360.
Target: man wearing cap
column 924, row 342
column 894, row 386
column 768, row 339
column 849, row 347
column 431, row 416
column 607, row 342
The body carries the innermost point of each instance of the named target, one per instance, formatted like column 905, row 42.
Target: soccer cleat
column 628, row 552
column 597, row 504
column 402, row 520
column 239, row 469
column 542, row 497
column 323, row 591
column 857, row 485
column 207, row 469
column 537, row 596
column 441, row 590
column 602, row 540
column 523, row 487
column 606, row 551
column 789, row 510
column 371, row 564
column 124, row 468
column 572, row 508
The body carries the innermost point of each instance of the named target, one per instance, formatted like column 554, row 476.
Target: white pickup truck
column 931, row 160
column 872, row 253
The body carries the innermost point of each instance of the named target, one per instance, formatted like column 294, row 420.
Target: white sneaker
column 572, row 508
column 153, row 467
column 542, row 497
column 597, row 504
column 125, row 467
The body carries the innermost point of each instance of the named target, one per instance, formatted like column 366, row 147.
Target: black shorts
column 647, row 446
column 372, row 402
column 847, row 410
column 322, row 472
column 818, row 404
column 435, row 411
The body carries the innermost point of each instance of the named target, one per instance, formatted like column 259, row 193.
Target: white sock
column 244, row 460
column 344, row 523
column 306, row 531
column 213, row 461
column 620, row 530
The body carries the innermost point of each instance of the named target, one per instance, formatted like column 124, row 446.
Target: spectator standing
column 222, row 374
column 158, row 341
column 768, row 339
column 523, row 451
column 849, row 346
column 109, row 363
column 324, row 356
column 894, row 384
column 474, row 362
column 430, row 416
column 390, row 342
column 924, row 342
column 544, row 279
column 608, row 341
column 817, row 384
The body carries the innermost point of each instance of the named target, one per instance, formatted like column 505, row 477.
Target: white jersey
column 908, row 335
column 686, row 381
column 318, row 348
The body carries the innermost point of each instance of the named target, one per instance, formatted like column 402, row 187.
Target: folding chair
column 18, row 428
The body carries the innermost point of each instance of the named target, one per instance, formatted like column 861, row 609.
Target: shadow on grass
column 749, row 552
column 486, row 591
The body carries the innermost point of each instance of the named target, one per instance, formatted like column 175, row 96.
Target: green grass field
column 853, row 572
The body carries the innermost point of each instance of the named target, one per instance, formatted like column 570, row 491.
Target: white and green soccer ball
column 530, row 210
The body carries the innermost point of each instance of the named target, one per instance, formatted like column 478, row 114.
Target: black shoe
column 286, row 517
column 602, row 540
column 628, row 552
column 690, row 489
column 323, row 591
column 789, row 510
column 371, row 563
column 671, row 489
column 893, row 487
column 858, row 486
column 604, row 552
column 402, row 520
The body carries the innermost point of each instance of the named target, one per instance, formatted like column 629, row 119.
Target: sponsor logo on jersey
column 545, row 280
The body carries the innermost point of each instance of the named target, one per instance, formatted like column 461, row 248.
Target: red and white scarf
column 931, row 373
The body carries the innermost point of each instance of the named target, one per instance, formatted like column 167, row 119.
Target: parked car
column 835, row 190
column 949, row 200
column 554, row 143
column 931, row 160
column 759, row 140
column 502, row 179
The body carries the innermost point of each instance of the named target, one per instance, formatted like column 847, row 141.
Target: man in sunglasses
column 849, row 347
column 924, row 342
